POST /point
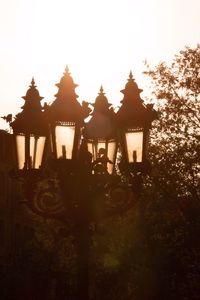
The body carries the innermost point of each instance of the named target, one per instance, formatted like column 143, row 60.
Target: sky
column 100, row 41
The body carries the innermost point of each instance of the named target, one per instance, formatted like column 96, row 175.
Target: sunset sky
column 100, row 41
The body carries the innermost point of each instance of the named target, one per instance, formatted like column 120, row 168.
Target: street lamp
column 30, row 131
column 83, row 157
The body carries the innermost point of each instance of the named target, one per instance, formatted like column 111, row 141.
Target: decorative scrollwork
column 100, row 195
column 120, row 198
column 47, row 199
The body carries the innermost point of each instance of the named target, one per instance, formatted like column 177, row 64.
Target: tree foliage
column 172, row 214
column 176, row 134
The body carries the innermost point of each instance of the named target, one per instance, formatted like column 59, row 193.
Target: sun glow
column 100, row 40
column 94, row 38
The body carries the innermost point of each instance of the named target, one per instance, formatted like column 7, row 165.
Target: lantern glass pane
column 37, row 144
column 111, row 153
column 134, row 144
column 103, row 152
column 95, row 147
column 91, row 149
column 101, row 147
column 20, row 145
column 64, row 141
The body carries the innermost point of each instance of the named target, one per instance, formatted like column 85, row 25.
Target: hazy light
column 99, row 40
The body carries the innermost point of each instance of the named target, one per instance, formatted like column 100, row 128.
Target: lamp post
column 82, row 162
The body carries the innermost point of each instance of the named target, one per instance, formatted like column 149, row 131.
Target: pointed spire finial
column 67, row 70
column 101, row 90
column 130, row 76
column 33, row 82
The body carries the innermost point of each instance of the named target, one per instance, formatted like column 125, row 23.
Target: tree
column 172, row 213
column 176, row 134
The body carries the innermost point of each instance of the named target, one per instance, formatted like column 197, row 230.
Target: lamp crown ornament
column 133, row 111
column 101, row 124
column 101, row 104
column 131, row 90
column 31, row 118
column 66, row 106
column 32, row 98
column 67, row 81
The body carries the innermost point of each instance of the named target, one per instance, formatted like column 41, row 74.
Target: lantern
column 30, row 131
column 134, row 121
column 101, row 136
column 66, row 117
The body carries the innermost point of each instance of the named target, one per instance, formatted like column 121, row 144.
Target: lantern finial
column 67, row 72
column 130, row 76
column 101, row 90
column 32, row 83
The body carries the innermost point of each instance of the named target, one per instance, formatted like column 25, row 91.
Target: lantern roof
column 131, row 86
column 133, row 112
column 31, row 119
column 66, row 106
column 102, row 123
column 66, row 82
column 32, row 98
column 101, row 102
